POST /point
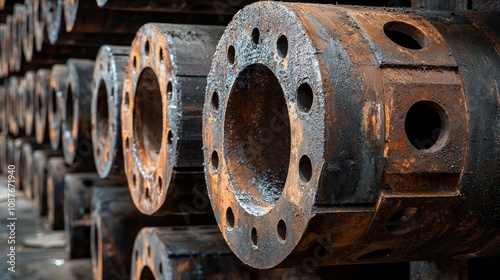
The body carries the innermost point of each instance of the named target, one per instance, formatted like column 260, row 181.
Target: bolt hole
column 146, row 47
column 135, row 62
column 134, row 180
column 403, row 221
column 305, row 168
column 404, row 35
column 254, row 237
column 305, row 97
column 215, row 101
column 215, row 162
column 149, row 251
column 160, row 268
column 126, row 98
column 231, row 54
column 127, row 143
column 161, row 59
column 377, row 254
column 282, row 46
column 147, row 193
column 169, row 90
column 282, row 230
column 229, row 218
column 160, row 184
column 255, row 36
column 424, row 124
column 170, row 137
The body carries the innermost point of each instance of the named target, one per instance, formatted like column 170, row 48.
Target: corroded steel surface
column 58, row 76
column 107, row 91
column 29, row 103
column 161, row 117
column 353, row 133
column 40, row 158
column 28, row 31
column 42, row 90
column 75, row 114
column 56, row 169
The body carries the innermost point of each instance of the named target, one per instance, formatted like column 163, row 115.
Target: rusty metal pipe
column 161, row 117
column 77, row 197
column 56, row 169
column 16, row 54
column 58, row 77
column 40, row 158
column 42, row 90
column 29, row 103
column 114, row 214
column 75, row 114
column 107, row 91
column 4, row 49
column 353, row 133
column 28, row 30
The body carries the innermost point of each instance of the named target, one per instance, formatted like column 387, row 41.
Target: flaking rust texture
column 161, row 117
column 107, row 91
column 354, row 134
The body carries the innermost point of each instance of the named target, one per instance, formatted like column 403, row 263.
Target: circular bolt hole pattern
column 254, row 237
column 305, row 97
column 231, row 54
column 215, row 101
column 282, row 46
column 423, row 124
column 255, row 36
column 404, row 35
column 305, row 168
column 146, row 47
column 282, row 230
column 403, row 221
column 229, row 218
column 215, row 162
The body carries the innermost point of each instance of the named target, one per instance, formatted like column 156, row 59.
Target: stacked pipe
column 314, row 134
column 364, row 135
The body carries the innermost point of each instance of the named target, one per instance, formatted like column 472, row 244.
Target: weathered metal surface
column 42, row 91
column 115, row 224
column 58, row 77
column 29, row 103
column 56, row 169
column 356, row 132
column 11, row 105
column 39, row 24
column 75, row 115
column 439, row 270
column 17, row 160
column 20, row 103
column 4, row 49
column 40, row 158
column 28, row 31
column 53, row 11
column 77, row 197
column 16, row 51
column 107, row 91
column 3, row 153
column 161, row 117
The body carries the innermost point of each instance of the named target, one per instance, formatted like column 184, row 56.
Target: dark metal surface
column 28, row 31
column 56, row 169
column 115, row 224
column 107, row 91
column 58, row 77
column 75, row 115
column 353, row 133
column 29, row 103
column 42, row 90
column 161, row 117
column 40, row 158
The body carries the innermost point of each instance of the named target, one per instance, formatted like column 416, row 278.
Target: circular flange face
column 264, row 132
column 148, row 107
